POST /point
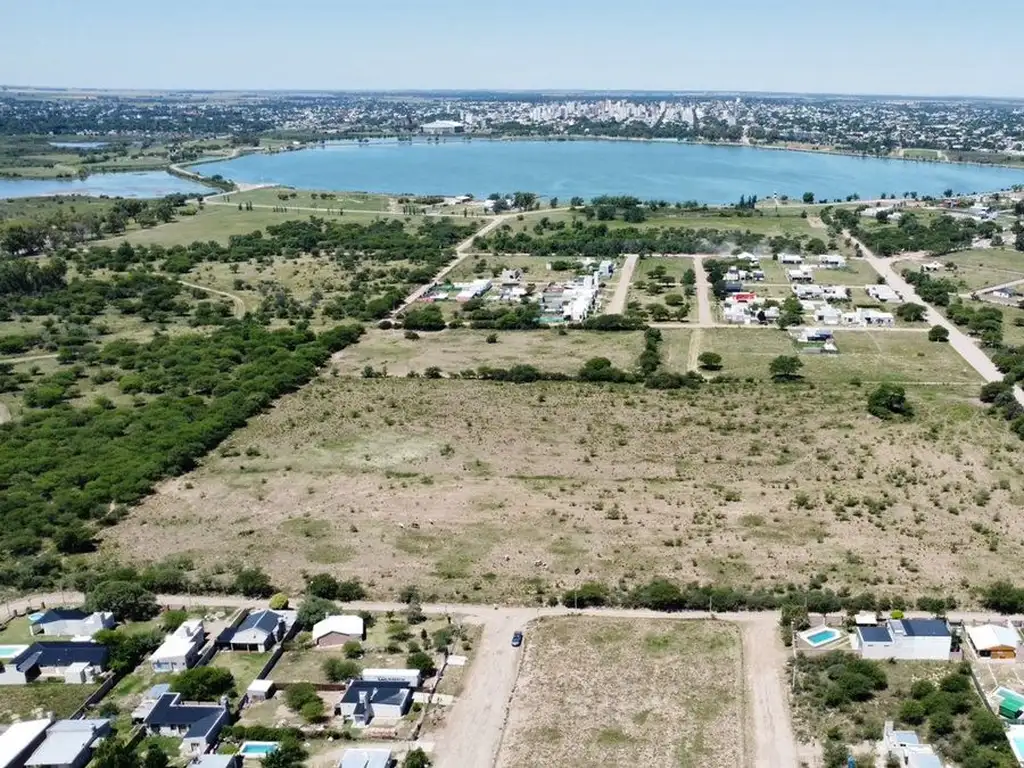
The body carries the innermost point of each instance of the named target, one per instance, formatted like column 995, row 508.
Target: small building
column 20, row 740
column 932, row 266
column 871, row 317
column 69, row 622
column 148, row 701
column 366, row 700
column 907, row 639
column 835, row 293
column 832, row 261
column 791, row 258
column 338, row 630
column 216, row 761
column 757, row 275
column 750, row 258
column 511, row 277
column 733, row 286
column 1011, row 704
column 69, row 744
column 473, row 290
column 180, row 649
column 606, row 269
column 908, row 749
column 994, row 641
column 411, row 677
column 883, row 293
column 807, row 291
column 74, row 662
column 443, row 128
column 197, row 725
column 258, row 632
column 800, row 275
column 827, row 315
column 260, row 690
column 366, row 758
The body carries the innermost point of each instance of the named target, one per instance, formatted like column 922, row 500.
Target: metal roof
column 925, row 628
column 200, row 718
column 874, row 634
column 343, row 625
column 365, row 758
column 62, row 655
column 262, row 621
column 380, row 692
column 67, row 740
column 18, row 739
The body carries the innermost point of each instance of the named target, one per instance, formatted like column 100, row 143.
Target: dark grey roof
column 874, row 634
column 62, row 655
column 380, row 692
column 60, row 614
column 265, row 621
column 200, row 718
column 925, row 628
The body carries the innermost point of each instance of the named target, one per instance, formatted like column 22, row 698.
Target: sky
column 912, row 47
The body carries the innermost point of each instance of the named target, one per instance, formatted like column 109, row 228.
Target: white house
column 443, row 128
column 69, row 744
column 367, row 700
column 800, row 275
column 908, row 749
column 791, row 258
column 832, row 261
column 808, row 291
column 366, row 758
column 917, row 639
column 883, row 293
column 69, row 622
column 337, row 630
column 473, row 290
column 20, row 740
column 835, row 293
column 827, row 315
column 180, row 649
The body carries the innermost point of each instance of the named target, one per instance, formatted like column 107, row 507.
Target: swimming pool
column 818, row 636
column 1015, row 735
column 258, row 749
column 10, row 651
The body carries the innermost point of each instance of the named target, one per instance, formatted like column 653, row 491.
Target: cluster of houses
column 576, row 300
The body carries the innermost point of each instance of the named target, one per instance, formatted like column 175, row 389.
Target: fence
column 96, row 696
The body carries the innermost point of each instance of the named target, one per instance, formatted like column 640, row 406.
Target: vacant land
column 535, row 268
column 26, row 702
column 243, row 666
column 668, row 694
column 865, row 356
column 985, row 267
column 302, row 198
column 477, row 490
column 456, row 350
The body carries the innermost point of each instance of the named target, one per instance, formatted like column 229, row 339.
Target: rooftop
column 343, row 625
column 925, row 627
column 169, row 712
column 365, row 758
column 62, row 655
column 874, row 634
column 380, row 692
column 19, row 738
column 66, row 740
column 261, row 621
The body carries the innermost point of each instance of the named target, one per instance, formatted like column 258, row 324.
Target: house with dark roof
column 366, row 700
column 74, row 662
column 908, row 639
column 259, row 631
column 197, row 725
column 69, row 622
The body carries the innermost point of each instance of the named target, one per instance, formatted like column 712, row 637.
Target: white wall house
column 180, row 649
column 914, row 639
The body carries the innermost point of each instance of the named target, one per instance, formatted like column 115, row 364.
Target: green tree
column 938, row 333
column 312, row 610
column 323, row 585
column 155, row 757
column 114, row 753
column 289, row 754
column 171, row 620
column 203, row 683
column 785, row 368
column 421, row 661
column 888, row 400
column 710, row 361
column 278, row 601
column 912, row 712
column 313, row 710
column 253, row 582
column 127, row 600
column 339, row 670
column 353, row 649
column 416, row 758
column 808, row 198
column 911, row 312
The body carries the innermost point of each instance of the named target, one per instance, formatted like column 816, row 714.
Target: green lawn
column 983, row 267
column 303, row 198
column 23, row 702
column 17, row 632
column 244, row 666
column 486, row 265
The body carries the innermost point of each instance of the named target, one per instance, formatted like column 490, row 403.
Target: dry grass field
column 484, row 491
column 985, row 267
column 609, row 692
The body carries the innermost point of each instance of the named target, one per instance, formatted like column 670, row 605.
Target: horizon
column 653, row 46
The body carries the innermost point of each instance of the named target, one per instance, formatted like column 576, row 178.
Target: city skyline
column 652, row 46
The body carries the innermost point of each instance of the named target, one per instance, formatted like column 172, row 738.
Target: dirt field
column 478, row 490
column 625, row 693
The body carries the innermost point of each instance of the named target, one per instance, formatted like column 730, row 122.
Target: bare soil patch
column 616, row 692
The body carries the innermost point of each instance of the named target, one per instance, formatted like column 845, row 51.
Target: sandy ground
column 617, row 305
column 764, row 660
column 5, row 414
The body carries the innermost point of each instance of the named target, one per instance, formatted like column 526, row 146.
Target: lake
column 135, row 184
column 650, row 170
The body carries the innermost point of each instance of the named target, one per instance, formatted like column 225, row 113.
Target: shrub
column 338, row 670
column 938, row 333
column 353, row 649
column 279, row 601
column 203, row 683
column 127, row 600
column 710, row 361
column 587, row 595
column 423, row 662
column 298, row 695
column 889, row 400
column 171, row 620
column 411, row 335
column 492, row 338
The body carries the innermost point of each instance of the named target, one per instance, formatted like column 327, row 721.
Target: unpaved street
column 705, row 317
column 764, row 665
column 618, row 303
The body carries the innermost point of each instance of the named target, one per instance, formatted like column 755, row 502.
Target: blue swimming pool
column 258, row 749
column 10, row 651
column 820, row 636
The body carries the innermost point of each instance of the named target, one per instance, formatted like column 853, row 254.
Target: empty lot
column 618, row 692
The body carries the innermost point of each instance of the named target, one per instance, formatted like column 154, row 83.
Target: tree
column 339, row 670
column 1018, row 243
column 353, row 649
column 554, row 202
column 323, row 585
column 785, row 368
column 889, row 400
column 171, row 620
column 938, row 333
column 911, row 313
column 253, row 582
column 155, row 757
column 312, row 610
column 127, row 600
column 912, row 712
column 278, row 601
column 113, row 753
column 127, row 649
column 289, row 754
column 203, row 683
column 710, row 361
column 313, row 710
column 421, row 661
column 416, row 758
column 808, row 198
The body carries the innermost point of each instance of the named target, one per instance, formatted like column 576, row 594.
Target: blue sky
column 927, row 47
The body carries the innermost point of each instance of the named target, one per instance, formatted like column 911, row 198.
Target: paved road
column 617, row 305
column 960, row 341
column 235, row 299
column 705, row 317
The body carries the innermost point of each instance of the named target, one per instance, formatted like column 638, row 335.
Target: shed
column 996, row 641
column 365, row 758
column 260, row 690
column 1011, row 705
column 338, row 630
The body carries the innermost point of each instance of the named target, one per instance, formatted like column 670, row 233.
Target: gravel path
column 618, row 303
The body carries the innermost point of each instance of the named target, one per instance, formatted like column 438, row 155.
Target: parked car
column 517, row 639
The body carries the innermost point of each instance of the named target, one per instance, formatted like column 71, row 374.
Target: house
column 918, row 639
column 750, row 258
column 908, row 750
column 827, row 315
column 511, row 276
column 69, row 622
column 197, row 725
column 69, row 744
column 216, row 761
column 733, row 286
column 876, row 318
column 832, row 261
column 883, row 293
column 994, row 641
column 800, row 275
column 606, row 269
column 791, row 258
column 259, row 631
column 366, row 758
column 338, row 630
column 75, row 662
column 366, row 700
column 807, row 291
column 20, row 740
column 473, row 290
column 411, row 677
column 932, row 266
column 815, row 335
column 149, row 700
column 737, row 314
column 835, row 293
column 758, row 275
column 180, row 649
column 443, row 128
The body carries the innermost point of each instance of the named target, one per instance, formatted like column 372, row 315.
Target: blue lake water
column 649, row 170
column 137, row 184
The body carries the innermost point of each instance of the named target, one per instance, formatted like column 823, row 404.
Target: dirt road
column 5, row 414
column 705, row 317
column 618, row 303
column 764, row 664
column 236, row 300
column 960, row 341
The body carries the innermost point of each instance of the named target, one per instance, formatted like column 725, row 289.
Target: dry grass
column 627, row 693
column 485, row 491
